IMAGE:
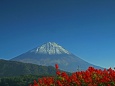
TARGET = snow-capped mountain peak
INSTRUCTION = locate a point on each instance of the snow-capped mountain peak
(51, 53)
(50, 48)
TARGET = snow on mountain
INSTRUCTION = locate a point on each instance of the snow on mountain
(50, 48)
(50, 54)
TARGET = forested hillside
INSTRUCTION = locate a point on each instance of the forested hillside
(13, 68)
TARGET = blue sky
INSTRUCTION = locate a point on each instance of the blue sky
(84, 27)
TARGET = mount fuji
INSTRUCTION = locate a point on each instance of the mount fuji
(50, 54)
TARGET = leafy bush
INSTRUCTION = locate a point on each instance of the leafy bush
(90, 77)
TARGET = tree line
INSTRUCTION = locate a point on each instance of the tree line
(23, 80)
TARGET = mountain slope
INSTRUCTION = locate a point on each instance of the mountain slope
(51, 53)
(13, 68)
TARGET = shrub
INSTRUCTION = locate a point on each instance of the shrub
(90, 77)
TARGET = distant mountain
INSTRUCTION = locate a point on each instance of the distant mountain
(13, 68)
(51, 53)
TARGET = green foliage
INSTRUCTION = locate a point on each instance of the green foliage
(23, 80)
(13, 68)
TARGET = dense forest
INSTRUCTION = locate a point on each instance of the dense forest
(13, 68)
(23, 80)
(14, 73)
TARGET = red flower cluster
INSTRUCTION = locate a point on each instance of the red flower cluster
(90, 77)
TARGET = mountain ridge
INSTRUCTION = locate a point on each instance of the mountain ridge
(14, 68)
(51, 54)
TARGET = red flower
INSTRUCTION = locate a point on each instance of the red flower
(59, 83)
(90, 77)
(58, 72)
(35, 83)
(56, 66)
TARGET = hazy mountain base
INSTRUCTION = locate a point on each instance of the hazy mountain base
(70, 63)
